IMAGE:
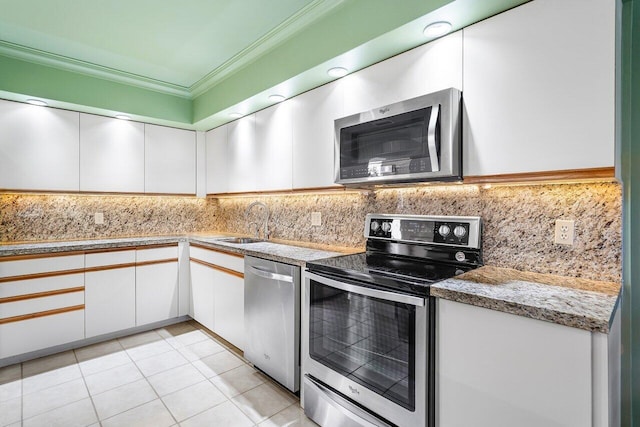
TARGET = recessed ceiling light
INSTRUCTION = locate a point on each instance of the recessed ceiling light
(277, 98)
(235, 115)
(37, 102)
(337, 72)
(122, 117)
(436, 29)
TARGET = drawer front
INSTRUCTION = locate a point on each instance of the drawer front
(44, 284)
(101, 259)
(38, 305)
(36, 265)
(153, 254)
(231, 262)
(41, 332)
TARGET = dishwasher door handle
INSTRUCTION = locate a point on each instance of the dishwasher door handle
(266, 274)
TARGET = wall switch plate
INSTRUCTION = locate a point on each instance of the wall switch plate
(98, 218)
(316, 219)
(565, 230)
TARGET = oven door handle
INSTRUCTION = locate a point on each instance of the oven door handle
(370, 292)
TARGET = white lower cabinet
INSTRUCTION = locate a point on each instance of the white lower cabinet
(156, 284)
(110, 292)
(217, 293)
(497, 369)
(228, 307)
(38, 308)
(202, 294)
(110, 297)
(39, 333)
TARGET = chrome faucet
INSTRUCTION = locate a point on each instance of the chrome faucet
(265, 220)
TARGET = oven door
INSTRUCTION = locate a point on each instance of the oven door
(372, 347)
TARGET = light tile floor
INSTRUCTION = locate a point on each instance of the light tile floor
(177, 375)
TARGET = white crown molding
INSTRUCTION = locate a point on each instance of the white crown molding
(286, 29)
(69, 64)
(290, 26)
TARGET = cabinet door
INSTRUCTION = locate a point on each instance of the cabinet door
(41, 332)
(217, 160)
(538, 91)
(313, 135)
(202, 294)
(273, 147)
(110, 300)
(111, 155)
(169, 160)
(39, 148)
(506, 370)
(228, 302)
(110, 293)
(243, 161)
(156, 292)
(425, 69)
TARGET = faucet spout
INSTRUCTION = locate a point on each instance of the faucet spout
(265, 219)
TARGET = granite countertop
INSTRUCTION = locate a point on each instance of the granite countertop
(579, 303)
(288, 252)
(297, 254)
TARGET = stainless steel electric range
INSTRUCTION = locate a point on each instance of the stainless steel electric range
(369, 321)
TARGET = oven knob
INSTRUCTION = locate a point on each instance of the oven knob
(459, 231)
(375, 225)
(386, 226)
(461, 257)
(444, 230)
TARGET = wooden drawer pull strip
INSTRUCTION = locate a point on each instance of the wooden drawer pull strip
(41, 275)
(217, 250)
(109, 267)
(41, 314)
(41, 294)
(156, 261)
(218, 267)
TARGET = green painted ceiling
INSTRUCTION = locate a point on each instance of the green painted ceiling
(189, 63)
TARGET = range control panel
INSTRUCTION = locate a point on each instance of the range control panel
(441, 230)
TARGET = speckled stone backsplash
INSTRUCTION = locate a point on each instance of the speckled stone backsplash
(518, 221)
(27, 217)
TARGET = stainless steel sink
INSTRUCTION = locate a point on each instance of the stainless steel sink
(241, 240)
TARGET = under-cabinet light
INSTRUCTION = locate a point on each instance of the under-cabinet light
(235, 115)
(122, 117)
(37, 102)
(337, 72)
(436, 29)
(277, 98)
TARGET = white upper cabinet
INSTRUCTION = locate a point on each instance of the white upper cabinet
(313, 135)
(425, 69)
(243, 163)
(216, 164)
(273, 147)
(169, 160)
(111, 155)
(539, 88)
(39, 148)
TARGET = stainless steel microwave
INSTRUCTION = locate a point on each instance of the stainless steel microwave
(410, 141)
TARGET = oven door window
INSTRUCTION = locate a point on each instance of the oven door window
(368, 340)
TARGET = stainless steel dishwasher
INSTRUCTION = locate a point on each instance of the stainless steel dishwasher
(272, 319)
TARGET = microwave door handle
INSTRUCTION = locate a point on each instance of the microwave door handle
(431, 138)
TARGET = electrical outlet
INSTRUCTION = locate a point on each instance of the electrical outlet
(316, 219)
(565, 230)
(98, 218)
